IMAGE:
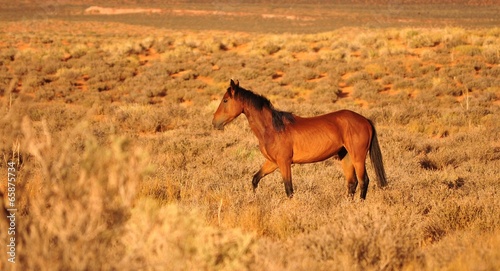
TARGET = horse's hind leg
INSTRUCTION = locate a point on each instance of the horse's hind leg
(267, 168)
(362, 177)
(350, 175)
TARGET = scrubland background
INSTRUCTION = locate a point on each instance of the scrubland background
(119, 168)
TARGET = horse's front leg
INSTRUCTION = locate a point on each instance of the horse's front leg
(286, 173)
(267, 168)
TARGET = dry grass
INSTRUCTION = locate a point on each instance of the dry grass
(120, 169)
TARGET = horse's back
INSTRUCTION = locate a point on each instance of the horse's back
(336, 118)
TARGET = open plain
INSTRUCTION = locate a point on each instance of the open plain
(107, 120)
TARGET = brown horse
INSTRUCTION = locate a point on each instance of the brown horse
(285, 139)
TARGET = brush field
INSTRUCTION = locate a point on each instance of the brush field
(118, 167)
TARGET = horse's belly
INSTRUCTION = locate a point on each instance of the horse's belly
(315, 153)
(316, 140)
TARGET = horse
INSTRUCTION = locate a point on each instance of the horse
(286, 139)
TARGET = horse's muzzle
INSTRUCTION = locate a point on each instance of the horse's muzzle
(219, 125)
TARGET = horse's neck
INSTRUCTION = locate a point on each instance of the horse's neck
(260, 122)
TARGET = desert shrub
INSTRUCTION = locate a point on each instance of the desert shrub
(20, 69)
(98, 190)
(7, 55)
(491, 55)
(296, 46)
(106, 77)
(369, 53)
(473, 83)
(454, 216)
(393, 50)
(152, 90)
(334, 55)
(296, 75)
(6, 81)
(147, 43)
(212, 45)
(414, 69)
(349, 245)
(428, 55)
(468, 50)
(204, 69)
(454, 71)
(376, 70)
(402, 84)
(51, 66)
(78, 51)
(373, 40)
(125, 49)
(422, 40)
(358, 77)
(248, 74)
(423, 83)
(147, 120)
(309, 74)
(222, 75)
(326, 93)
(62, 88)
(163, 44)
(45, 93)
(186, 242)
(32, 82)
(390, 79)
(271, 48)
(445, 86)
(366, 89)
(490, 71)
(454, 37)
(397, 68)
(427, 69)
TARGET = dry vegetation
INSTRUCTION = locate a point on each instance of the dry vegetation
(120, 169)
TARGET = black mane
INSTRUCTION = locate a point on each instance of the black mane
(260, 102)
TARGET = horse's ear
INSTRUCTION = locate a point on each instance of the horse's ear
(234, 84)
(233, 87)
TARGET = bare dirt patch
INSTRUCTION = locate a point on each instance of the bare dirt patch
(115, 11)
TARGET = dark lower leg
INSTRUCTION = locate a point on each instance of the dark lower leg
(286, 173)
(350, 175)
(364, 187)
(351, 187)
(289, 189)
(256, 180)
(266, 168)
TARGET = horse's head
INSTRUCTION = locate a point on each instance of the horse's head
(229, 108)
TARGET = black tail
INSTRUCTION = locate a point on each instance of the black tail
(376, 158)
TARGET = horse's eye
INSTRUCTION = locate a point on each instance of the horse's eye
(225, 100)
